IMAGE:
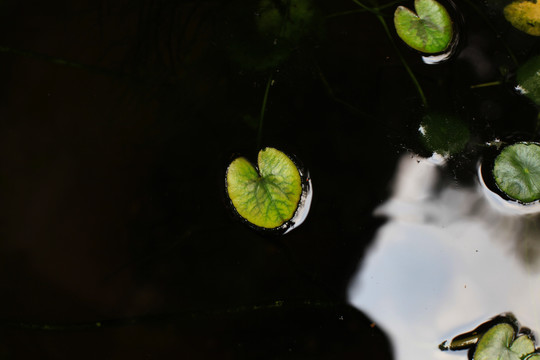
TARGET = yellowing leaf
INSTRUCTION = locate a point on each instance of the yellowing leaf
(524, 15)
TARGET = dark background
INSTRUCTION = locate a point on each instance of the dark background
(117, 122)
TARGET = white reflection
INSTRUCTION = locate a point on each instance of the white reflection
(506, 206)
(445, 262)
(437, 59)
(304, 205)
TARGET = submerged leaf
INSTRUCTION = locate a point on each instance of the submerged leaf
(429, 31)
(443, 134)
(259, 35)
(268, 197)
(524, 15)
(517, 171)
(528, 79)
(290, 20)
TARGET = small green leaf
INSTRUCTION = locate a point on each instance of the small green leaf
(517, 171)
(268, 197)
(495, 344)
(528, 79)
(524, 15)
(429, 31)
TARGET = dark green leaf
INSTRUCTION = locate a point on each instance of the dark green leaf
(528, 79)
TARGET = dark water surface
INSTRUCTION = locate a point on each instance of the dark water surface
(118, 119)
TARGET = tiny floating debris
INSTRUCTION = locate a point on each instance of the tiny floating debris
(443, 134)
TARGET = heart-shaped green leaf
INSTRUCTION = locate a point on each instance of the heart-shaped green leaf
(524, 15)
(268, 197)
(429, 30)
(498, 344)
(517, 171)
(528, 79)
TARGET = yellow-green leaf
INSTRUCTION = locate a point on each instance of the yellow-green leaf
(524, 15)
(528, 79)
(267, 197)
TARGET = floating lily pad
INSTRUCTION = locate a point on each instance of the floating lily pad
(498, 343)
(517, 171)
(429, 30)
(524, 15)
(268, 196)
(443, 134)
(528, 79)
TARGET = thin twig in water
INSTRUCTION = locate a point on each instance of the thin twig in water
(263, 110)
(402, 59)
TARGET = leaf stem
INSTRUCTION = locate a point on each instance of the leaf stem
(353, 109)
(178, 316)
(59, 61)
(402, 59)
(348, 12)
(492, 83)
(263, 109)
(367, 8)
(364, 9)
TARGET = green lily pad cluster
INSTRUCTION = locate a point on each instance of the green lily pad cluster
(524, 15)
(429, 30)
(267, 196)
(517, 171)
(498, 339)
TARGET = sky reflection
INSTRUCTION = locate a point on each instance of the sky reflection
(446, 261)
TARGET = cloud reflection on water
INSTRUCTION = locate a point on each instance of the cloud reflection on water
(446, 261)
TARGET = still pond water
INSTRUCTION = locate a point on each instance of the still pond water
(119, 118)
